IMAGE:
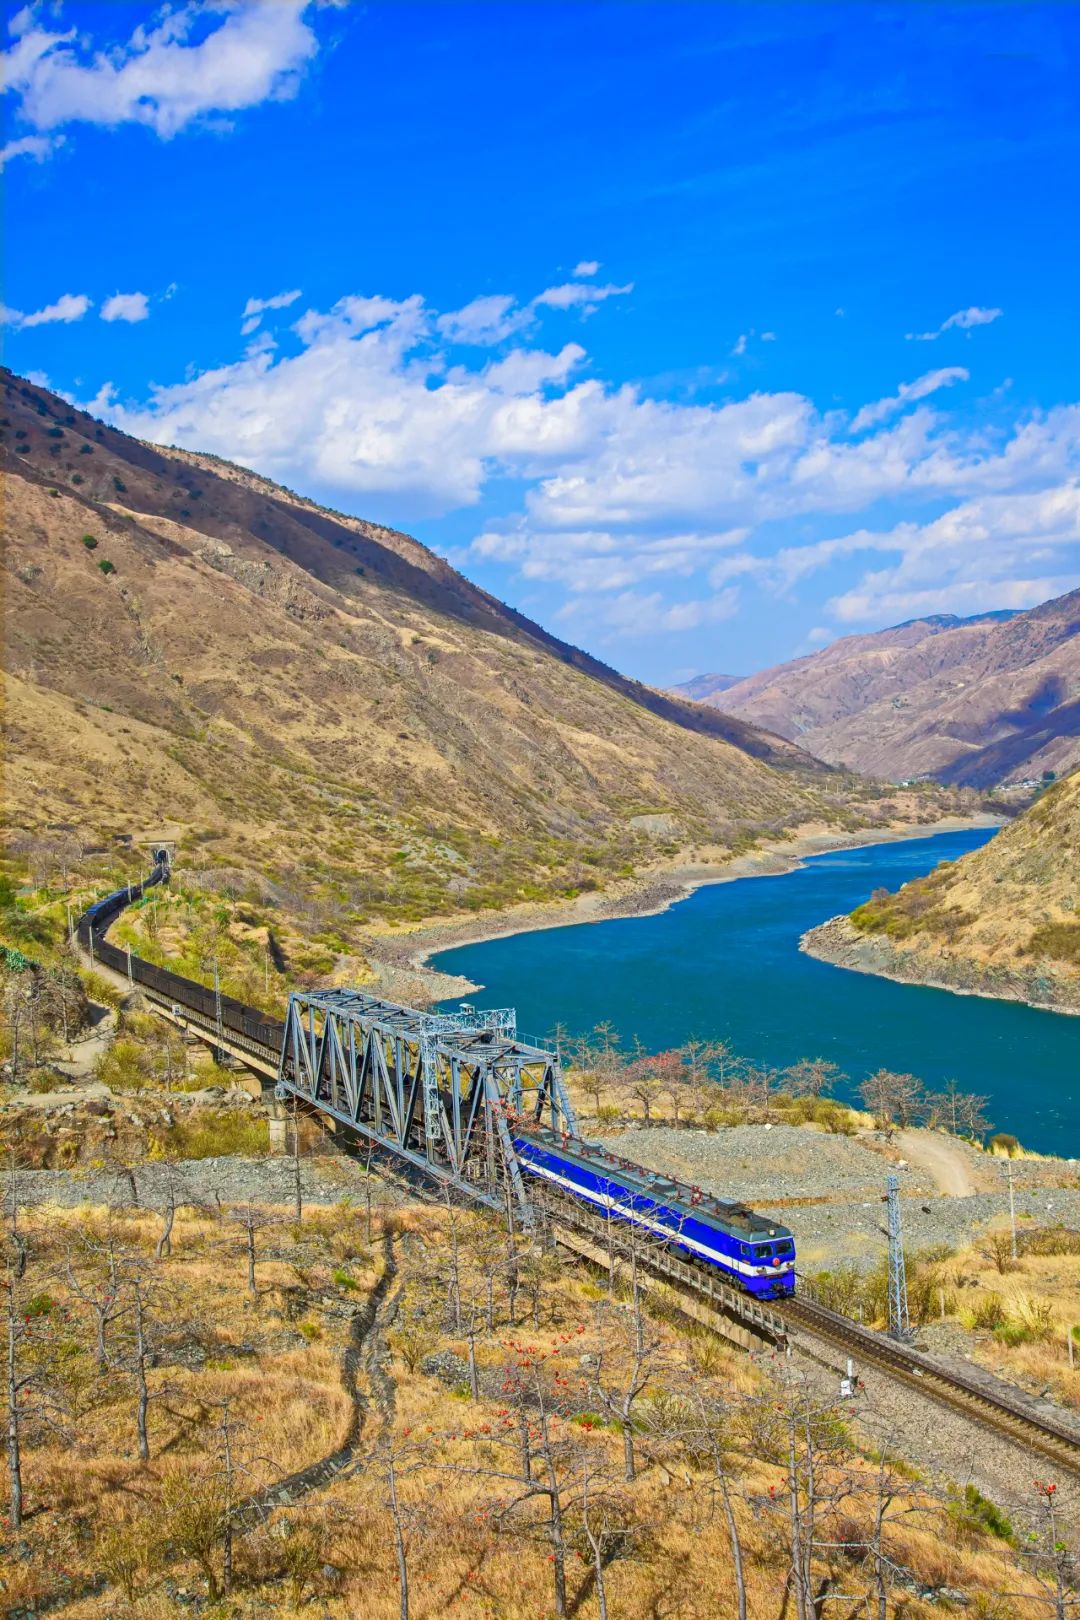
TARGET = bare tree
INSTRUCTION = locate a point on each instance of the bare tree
(253, 1220)
(164, 1243)
(627, 1351)
(97, 1288)
(1049, 1557)
(961, 1113)
(643, 1081)
(811, 1077)
(893, 1099)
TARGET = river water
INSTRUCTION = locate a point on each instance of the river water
(725, 962)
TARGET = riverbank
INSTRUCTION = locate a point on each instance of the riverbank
(400, 960)
(838, 942)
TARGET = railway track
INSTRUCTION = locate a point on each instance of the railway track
(993, 1409)
(254, 1036)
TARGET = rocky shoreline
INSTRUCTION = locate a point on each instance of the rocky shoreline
(400, 960)
(840, 943)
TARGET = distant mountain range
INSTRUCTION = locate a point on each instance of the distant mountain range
(973, 702)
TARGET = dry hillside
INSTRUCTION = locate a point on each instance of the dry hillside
(1002, 920)
(969, 701)
(189, 646)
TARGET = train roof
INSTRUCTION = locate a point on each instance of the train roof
(655, 1184)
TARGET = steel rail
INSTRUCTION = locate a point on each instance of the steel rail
(910, 1366)
(900, 1362)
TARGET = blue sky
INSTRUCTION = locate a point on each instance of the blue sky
(701, 333)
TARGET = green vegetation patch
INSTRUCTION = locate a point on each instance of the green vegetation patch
(914, 909)
(1060, 941)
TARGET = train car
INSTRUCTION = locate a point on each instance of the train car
(753, 1251)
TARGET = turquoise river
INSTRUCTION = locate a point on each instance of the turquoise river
(725, 962)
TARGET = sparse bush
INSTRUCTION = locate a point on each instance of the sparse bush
(90, 542)
(125, 1066)
(988, 1313)
(997, 1248)
(1004, 1145)
(1031, 1323)
(1050, 1240)
(106, 566)
(974, 1515)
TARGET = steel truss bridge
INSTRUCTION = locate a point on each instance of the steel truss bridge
(439, 1093)
(437, 1090)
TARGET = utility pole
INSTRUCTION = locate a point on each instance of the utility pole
(1012, 1208)
(899, 1320)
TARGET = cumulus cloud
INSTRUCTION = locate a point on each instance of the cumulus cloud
(623, 495)
(963, 320)
(994, 551)
(255, 309)
(165, 77)
(69, 307)
(130, 307)
(587, 267)
(907, 394)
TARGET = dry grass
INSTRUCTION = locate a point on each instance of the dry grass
(274, 1365)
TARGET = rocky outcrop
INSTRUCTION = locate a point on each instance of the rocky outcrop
(1039, 984)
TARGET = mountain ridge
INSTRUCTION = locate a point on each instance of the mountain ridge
(970, 701)
(301, 692)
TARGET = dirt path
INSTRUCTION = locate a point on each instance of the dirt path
(945, 1161)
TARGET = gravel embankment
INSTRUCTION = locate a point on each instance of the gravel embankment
(778, 1168)
(325, 1180)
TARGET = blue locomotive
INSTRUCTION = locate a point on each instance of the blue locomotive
(753, 1251)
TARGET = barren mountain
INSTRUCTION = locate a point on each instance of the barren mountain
(969, 701)
(1004, 920)
(306, 693)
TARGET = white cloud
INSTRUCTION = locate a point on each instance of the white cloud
(637, 613)
(625, 495)
(994, 551)
(485, 320)
(963, 319)
(37, 147)
(907, 394)
(585, 295)
(740, 344)
(587, 267)
(159, 77)
(597, 560)
(255, 308)
(69, 307)
(126, 307)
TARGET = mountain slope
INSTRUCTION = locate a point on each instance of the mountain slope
(1003, 921)
(324, 698)
(969, 701)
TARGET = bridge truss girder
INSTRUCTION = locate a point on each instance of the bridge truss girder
(437, 1090)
